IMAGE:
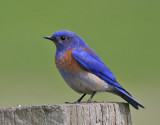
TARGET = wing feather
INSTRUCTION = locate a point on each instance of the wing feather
(91, 62)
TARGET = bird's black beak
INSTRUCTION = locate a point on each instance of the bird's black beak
(49, 37)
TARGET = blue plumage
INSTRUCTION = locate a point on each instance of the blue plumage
(92, 63)
(83, 70)
(126, 96)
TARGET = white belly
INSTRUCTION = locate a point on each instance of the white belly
(86, 82)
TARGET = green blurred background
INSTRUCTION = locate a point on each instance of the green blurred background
(125, 34)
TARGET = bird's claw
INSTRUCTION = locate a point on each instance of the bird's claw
(91, 101)
(77, 102)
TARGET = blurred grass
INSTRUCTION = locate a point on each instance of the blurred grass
(124, 33)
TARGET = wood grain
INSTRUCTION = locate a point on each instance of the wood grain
(67, 114)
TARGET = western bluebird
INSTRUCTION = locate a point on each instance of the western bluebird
(83, 70)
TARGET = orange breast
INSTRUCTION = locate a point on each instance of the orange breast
(68, 63)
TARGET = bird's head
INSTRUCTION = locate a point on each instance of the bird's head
(65, 40)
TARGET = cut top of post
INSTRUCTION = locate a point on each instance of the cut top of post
(68, 114)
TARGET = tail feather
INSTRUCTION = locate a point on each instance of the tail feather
(126, 96)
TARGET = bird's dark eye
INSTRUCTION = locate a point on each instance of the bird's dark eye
(63, 38)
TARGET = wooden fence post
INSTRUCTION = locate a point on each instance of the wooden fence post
(67, 114)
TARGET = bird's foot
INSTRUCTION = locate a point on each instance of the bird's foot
(80, 102)
(89, 101)
(69, 103)
(77, 102)
(73, 102)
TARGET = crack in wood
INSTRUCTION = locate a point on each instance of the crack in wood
(67, 114)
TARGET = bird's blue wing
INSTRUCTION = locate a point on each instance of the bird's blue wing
(91, 62)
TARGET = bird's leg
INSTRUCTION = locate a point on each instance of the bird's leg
(89, 100)
(79, 100)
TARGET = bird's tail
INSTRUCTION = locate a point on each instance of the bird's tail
(126, 96)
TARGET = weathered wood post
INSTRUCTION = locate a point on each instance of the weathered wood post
(68, 114)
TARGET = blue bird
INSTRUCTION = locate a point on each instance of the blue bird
(83, 70)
